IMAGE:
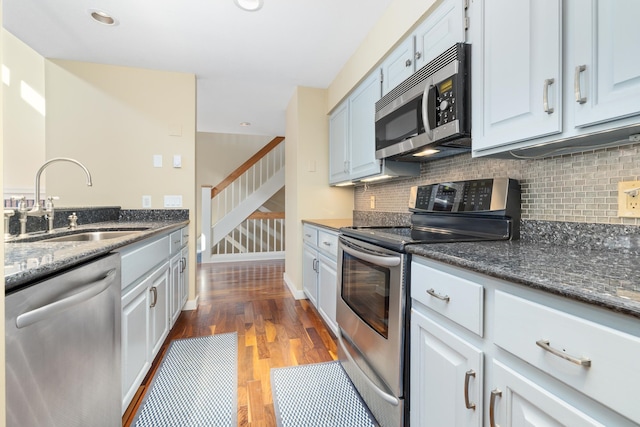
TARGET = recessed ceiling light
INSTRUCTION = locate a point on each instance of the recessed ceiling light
(245, 124)
(249, 5)
(103, 17)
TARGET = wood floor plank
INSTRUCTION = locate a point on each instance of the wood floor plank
(274, 330)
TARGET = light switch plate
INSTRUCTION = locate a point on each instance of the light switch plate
(177, 161)
(146, 202)
(172, 201)
(157, 160)
(629, 199)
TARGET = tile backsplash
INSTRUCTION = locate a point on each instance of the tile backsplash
(579, 187)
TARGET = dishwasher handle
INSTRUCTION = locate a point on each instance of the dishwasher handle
(41, 313)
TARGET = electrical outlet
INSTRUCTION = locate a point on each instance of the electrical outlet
(629, 199)
(146, 202)
(373, 202)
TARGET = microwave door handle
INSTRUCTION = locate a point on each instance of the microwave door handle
(429, 107)
(380, 260)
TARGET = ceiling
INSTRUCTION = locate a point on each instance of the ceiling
(247, 64)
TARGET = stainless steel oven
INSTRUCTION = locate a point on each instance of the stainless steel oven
(371, 316)
(372, 305)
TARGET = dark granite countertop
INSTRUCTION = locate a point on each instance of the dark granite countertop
(27, 261)
(606, 278)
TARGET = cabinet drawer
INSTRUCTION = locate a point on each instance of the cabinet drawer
(185, 236)
(457, 299)
(613, 377)
(328, 243)
(310, 234)
(139, 260)
(175, 241)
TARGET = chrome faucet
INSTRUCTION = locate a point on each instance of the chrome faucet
(37, 209)
(23, 210)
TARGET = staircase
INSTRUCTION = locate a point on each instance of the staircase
(235, 222)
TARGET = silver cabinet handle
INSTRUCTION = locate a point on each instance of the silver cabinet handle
(407, 63)
(576, 84)
(434, 294)
(418, 55)
(582, 361)
(326, 243)
(545, 96)
(154, 290)
(492, 403)
(470, 373)
(307, 235)
(41, 313)
(183, 263)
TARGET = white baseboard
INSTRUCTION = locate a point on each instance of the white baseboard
(255, 256)
(191, 304)
(297, 293)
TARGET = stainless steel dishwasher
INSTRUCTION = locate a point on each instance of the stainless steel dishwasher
(63, 349)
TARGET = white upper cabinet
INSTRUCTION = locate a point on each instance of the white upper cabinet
(352, 140)
(441, 30)
(553, 77)
(604, 40)
(398, 65)
(362, 132)
(338, 144)
(517, 84)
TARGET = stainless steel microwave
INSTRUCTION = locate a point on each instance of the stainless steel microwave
(429, 114)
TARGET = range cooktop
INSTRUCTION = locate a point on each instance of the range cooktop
(463, 211)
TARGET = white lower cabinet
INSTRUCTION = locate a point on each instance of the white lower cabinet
(439, 357)
(145, 325)
(517, 401)
(548, 360)
(154, 290)
(319, 276)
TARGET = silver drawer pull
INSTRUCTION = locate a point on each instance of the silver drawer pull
(576, 84)
(582, 361)
(492, 404)
(434, 294)
(470, 373)
(326, 243)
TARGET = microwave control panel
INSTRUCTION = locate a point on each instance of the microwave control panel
(445, 97)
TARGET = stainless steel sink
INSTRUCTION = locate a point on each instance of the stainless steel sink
(91, 236)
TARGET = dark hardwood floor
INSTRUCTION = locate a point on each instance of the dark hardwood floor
(274, 330)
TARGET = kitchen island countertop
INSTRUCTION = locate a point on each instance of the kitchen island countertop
(332, 224)
(605, 278)
(26, 261)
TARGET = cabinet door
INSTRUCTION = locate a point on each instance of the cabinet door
(441, 30)
(398, 66)
(362, 136)
(604, 38)
(517, 81)
(135, 341)
(175, 291)
(327, 288)
(158, 297)
(446, 377)
(310, 274)
(339, 144)
(184, 280)
(517, 401)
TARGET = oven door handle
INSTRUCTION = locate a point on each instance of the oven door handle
(383, 395)
(380, 260)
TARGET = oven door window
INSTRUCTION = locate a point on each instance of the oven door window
(365, 289)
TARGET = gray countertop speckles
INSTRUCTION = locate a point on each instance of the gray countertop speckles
(600, 277)
(28, 261)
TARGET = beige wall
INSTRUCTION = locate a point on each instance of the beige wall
(398, 20)
(24, 127)
(2, 352)
(114, 119)
(308, 194)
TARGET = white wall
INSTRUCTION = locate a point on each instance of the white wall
(308, 194)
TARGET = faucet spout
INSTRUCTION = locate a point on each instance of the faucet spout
(37, 208)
